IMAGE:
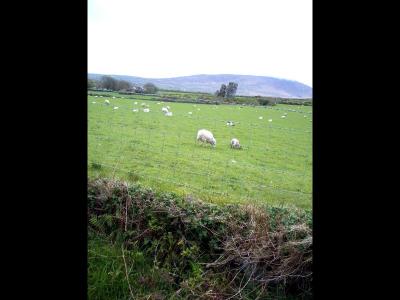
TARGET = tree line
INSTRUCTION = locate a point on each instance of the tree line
(111, 84)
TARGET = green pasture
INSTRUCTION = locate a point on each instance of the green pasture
(274, 165)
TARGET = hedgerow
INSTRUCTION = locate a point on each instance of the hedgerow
(212, 251)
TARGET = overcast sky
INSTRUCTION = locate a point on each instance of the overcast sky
(169, 38)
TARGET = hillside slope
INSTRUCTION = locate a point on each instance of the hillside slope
(249, 85)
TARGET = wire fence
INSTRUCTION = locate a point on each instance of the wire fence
(274, 162)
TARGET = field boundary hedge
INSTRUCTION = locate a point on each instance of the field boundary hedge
(214, 252)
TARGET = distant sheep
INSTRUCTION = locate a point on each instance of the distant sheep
(260, 118)
(270, 120)
(190, 113)
(113, 97)
(169, 114)
(146, 110)
(235, 143)
(164, 110)
(135, 110)
(230, 123)
(283, 117)
(168, 107)
(115, 107)
(107, 102)
(94, 102)
(135, 103)
(206, 136)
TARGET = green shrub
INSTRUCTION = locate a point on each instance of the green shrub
(205, 246)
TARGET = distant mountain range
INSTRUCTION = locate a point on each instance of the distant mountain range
(248, 85)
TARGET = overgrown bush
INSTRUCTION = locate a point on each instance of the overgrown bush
(214, 252)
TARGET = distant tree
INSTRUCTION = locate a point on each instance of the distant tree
(109, 83)
(231, 90)
(221, 92)
(150, 88)
(91, 84)
(123, 85)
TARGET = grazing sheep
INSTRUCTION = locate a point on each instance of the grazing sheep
(169, 114)
(270, 120)
(235, 143)
(135, 110)
(135, 103)
(230, 123)
(94, 102)
(113, 97)
(283, 117)
(206, 136)
(115, 107)
(107, 102)
(168, 107)
(146, 110)
(95, 96)
(189, 112)
(164, 110)
(260, 118)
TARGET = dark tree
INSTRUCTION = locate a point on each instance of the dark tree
(221, 92)
(123, 85)
(109, 83)
(91, 84)
(150, 88)
(231, 90)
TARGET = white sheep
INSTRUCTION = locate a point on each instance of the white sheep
(164, 110)
(270, 120)
(168, 107)
(206, 136)
(135, 110)
(115, 107)
(283, 117)
(169, 114)
(230, 123)
(94, 102)
(235, 143)
(107, 102)
(135, 103)
(146, 110)
(190, 113)
(260, 118)
(113, 97)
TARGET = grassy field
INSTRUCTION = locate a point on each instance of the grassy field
(274, 165)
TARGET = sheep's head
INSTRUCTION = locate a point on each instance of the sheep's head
(213, 142)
